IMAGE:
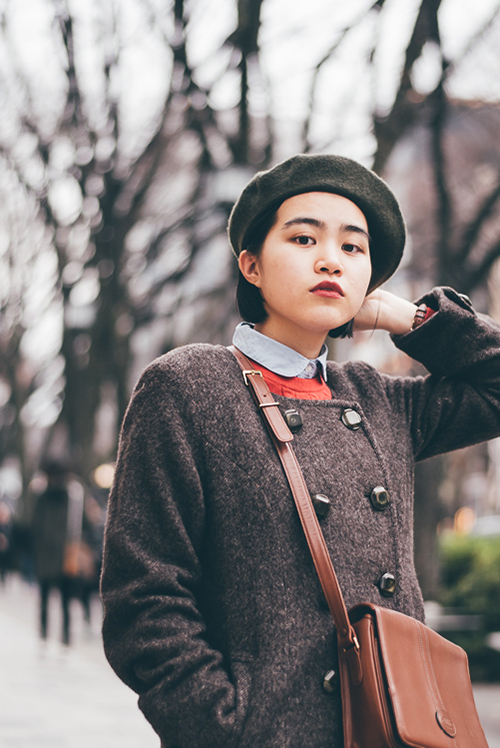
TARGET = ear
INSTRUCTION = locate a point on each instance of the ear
(249, 267)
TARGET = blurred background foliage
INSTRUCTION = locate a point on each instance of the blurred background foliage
(471, 585)
(471, 576)
(128, 129)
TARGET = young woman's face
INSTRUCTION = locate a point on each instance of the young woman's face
(313, 270)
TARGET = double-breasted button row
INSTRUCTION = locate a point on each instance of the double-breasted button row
(379, 497)
(349, 417)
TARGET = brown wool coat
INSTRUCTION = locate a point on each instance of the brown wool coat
(213, 612)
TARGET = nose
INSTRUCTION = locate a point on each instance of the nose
(329, 260)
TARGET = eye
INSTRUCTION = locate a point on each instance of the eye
(303, 240)
(352, 248)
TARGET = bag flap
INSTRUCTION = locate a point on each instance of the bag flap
(429, 684)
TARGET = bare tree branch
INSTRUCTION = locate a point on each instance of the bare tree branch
(439, 165)
(471, 46)
(477, 276)
(306, 129)
(475, 226)
(388, 130)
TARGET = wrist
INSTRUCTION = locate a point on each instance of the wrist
(396, 315)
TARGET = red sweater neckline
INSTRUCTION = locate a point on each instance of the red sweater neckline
(296, 387)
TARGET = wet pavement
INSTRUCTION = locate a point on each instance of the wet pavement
(57, 697)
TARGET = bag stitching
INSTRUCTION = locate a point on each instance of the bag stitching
(436, 696)
(435, 679)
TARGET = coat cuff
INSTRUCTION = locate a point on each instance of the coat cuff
(444, 342)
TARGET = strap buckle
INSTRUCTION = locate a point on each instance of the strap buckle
(250, 372)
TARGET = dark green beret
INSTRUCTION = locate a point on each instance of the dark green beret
(326, 173)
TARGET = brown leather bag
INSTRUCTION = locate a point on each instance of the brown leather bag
(402, 684)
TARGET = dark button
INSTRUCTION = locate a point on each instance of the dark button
(351, 419)
(322, 504)
(465, 298)
(293, 420)
(379, 498)
(387, 584)
(330, 681)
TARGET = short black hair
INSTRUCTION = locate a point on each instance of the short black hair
(248, 297)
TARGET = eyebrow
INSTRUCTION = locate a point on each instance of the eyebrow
(304, 219)
(344, 227)
(355, 229)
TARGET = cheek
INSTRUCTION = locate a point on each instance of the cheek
(362, 283)
(273, 273)
(365, 276)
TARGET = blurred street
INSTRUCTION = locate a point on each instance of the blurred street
(50, 698)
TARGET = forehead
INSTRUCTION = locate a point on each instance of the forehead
(325, 206)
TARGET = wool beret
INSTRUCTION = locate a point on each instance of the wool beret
(326, 173)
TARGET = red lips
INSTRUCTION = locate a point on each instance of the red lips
(329, 289)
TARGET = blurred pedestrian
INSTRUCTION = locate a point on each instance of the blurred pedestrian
(92, 541)
(50, 536)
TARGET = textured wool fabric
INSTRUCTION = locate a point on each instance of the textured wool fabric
(213, 611)
(326, 173)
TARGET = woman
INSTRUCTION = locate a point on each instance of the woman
(213, 611)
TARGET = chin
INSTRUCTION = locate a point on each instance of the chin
(329, 323)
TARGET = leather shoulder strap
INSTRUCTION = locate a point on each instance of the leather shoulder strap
(269, 409)
(282, 438)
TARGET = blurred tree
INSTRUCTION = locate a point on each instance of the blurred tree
(443, 159)
(132, 127)
(31, 384)
(453, 212)
(120, 262)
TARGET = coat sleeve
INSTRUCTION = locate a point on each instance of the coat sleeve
(458, 403)
(153, 632)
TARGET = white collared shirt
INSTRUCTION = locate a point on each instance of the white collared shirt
(275, 356)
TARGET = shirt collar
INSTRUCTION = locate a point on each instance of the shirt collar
(275, 356)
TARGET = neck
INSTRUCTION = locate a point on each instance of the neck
(303, 342)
